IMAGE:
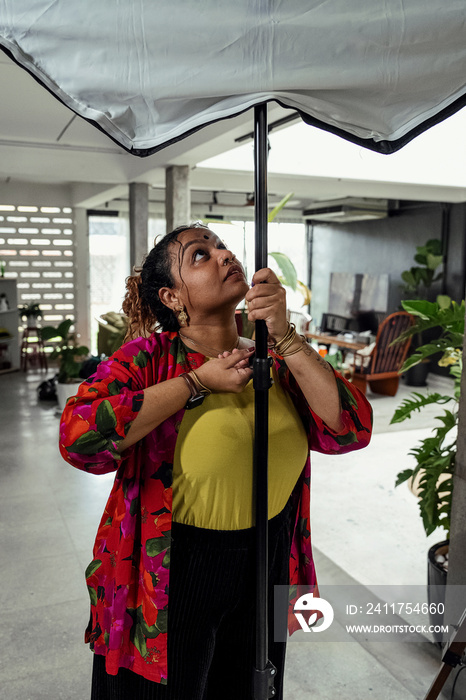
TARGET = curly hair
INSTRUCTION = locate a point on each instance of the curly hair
(142, 304)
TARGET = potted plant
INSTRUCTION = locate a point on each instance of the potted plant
(31, 312)
(417, 280)
(70, 357)
(432, 477)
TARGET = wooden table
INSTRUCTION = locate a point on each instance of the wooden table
(334, 340)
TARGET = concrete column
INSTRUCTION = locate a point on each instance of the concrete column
(455, 603)
(138, 222)
(82, 279)
(177, 196)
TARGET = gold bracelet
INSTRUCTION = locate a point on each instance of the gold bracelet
(190, 383)
(301, 347)
(201, 386)
(285, 346)
(282, 345)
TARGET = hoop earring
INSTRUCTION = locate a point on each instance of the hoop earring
(181, 316)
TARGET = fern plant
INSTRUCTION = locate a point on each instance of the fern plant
(435, 455)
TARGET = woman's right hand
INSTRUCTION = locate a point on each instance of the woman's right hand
(230, 372)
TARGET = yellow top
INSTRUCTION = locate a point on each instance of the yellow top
(212, 470)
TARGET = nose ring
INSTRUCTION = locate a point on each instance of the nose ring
(226, 260)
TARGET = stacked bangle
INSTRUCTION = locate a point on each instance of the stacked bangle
(287, 341)
(301, 347)
(282, 345)
(202, 387)
(195, 385)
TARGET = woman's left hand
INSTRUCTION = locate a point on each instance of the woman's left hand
(267, 301)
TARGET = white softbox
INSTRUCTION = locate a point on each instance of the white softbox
(149, 72)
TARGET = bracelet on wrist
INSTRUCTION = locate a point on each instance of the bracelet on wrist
(202, 387)
(190, 383)
(198, 390)
(288, 339)
(303, 346)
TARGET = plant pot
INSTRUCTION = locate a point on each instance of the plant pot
(31, 321)
(417, 375)
(64, 391)
(436, 582)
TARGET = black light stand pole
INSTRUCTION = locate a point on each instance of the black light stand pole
(264, 672)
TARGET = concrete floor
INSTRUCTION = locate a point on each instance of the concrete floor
(364, 531)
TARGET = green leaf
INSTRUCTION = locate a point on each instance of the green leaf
(346, 397)
(410, 362)
(105, 418)
(444, 301)
(449, 421)
(305, 291)
(133, 508)
(420, 307)
(408, 277)
(90, 443)
(166, 559)
(162, 621)
(80, 350)
(48, 333)
(149, 632)
(92, 595)
(138, 639)
(433, 261)
(410, 404)
(142, 358)
(403, 476)
(287, 269)
(347, 439)
(64, 328)
(92, 568)
(156, 545)
(434, 246)
(421, 255)
(279, 206)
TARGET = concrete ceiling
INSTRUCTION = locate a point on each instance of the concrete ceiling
(43, 142)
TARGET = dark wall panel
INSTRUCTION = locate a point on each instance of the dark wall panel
(384, 246)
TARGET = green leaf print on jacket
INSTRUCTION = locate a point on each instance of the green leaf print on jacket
(105, 418)
(88, 444)
(157, 545)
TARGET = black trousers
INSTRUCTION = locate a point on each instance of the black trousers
(211, 621)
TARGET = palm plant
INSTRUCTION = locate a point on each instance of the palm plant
(435, 455)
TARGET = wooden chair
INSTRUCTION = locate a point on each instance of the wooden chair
(385, 361)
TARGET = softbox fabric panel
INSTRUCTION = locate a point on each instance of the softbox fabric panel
(149, 72)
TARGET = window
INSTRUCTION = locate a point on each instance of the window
(109, 267)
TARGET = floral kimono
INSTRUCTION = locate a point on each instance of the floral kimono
(128, 579)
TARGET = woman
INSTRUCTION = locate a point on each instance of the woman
(172, 579)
